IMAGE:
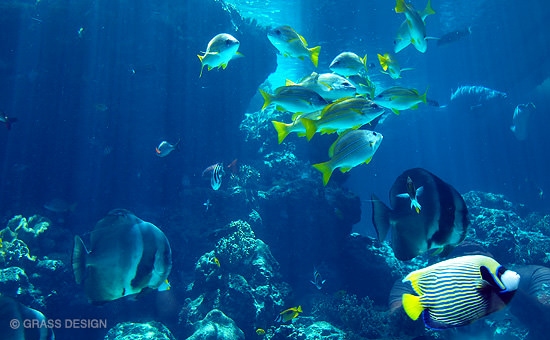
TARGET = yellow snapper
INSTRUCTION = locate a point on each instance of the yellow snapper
(363, 85)
(459, 291)
(330, 86)
(284, 130)
(291, 44)
(391, 66)
(294, 99)
(222, 48)
(345, 113)
(403, 37)
(348, 63)
(400, 98)
(289, 314)
(352, 148)
(415, 24)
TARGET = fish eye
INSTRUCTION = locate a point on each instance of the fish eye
(228, 42)
(278, 32)
(374, 133)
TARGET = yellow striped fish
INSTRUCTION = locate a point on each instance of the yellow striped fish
(459, 291)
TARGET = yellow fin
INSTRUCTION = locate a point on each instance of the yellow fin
(344, 170)
(400, 6)
(412, 306)
(280, 108)
(364, 60)
(325, 169)
(396, 111)
(302, 39)
(314, 54)
(267, 98)
(310, 126)
(368, 160)
(383, 62)
(282, 130)
(290, 83)
(299, 309)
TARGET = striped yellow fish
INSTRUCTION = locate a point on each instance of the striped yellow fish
(459, 291)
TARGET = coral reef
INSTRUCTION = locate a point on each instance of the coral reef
(306, 328)
(216, 326)
(139, 331)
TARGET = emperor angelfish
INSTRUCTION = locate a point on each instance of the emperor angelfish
(127, 255)
(441, 224)
(12, 311)
(459, 291)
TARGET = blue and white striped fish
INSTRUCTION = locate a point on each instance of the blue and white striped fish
(459, 291)
(216, 179)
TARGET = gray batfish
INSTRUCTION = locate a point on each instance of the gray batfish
(440, 225)
(127, 255)
(480, 92)
(13, 313)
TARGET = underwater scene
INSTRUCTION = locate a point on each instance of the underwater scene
(274, 169)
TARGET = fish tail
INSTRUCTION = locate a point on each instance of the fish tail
(311, 129)
(325, 169)
(364, 60)
(314, 54)
(383, 62)
(202, 65)
(267, 98)
(299, 309)
(400, 6)
(380, 217)
(282, 130)
(79, 259)
(423, 97)
(412, 306)
(428, 10)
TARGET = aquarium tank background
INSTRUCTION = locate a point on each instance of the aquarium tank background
(113, 143)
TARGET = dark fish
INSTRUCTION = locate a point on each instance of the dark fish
(441, 226)
(13, 313)
(453, 36)
(8, 120)
(127, 256)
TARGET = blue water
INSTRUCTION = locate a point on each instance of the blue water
(98, 84)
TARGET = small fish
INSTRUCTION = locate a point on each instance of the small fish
(415, 23)
(289, 314)
(80, 32)
(391, 65)
(348, 64)
(126, 256)
(220, 50)
(363, 85)
(291, 44)
(207, 204)
(297, 126)
(216, 178)
(412, 194)
(60, 206)
(165, 148)
(164, 286)
(459, 291)
(330, 86)
(442, 225)
(343, 114)
(521, 117)
(400, 98)
(294, 99)
(352, 148)
(403, 37)
(317, 281)
(260, 331)
(453, 36)
(7, 120)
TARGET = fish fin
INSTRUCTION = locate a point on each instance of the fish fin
(224, 65)
(311, 129)
(423, 97)
(200, 57)
(282, 130)
(412, 306)
(290, 83)
(329, 87)
(407, 69)
(299, 309)
(380, 217)
(344, 170)
(414, 107)
(301, 134)
(419, 191)
(368, 160)
(79, 259)
(427, 11)
(404, 195)
(364, 60)
(396, 111)
(314, 55)
(202, 65)
(325, 169)
(237, 55)
(400, 6)
(383, 62)
(210, 68)
(302, 39)
(296, 115)
(328, 131)
(437, 251)
(267, 98)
